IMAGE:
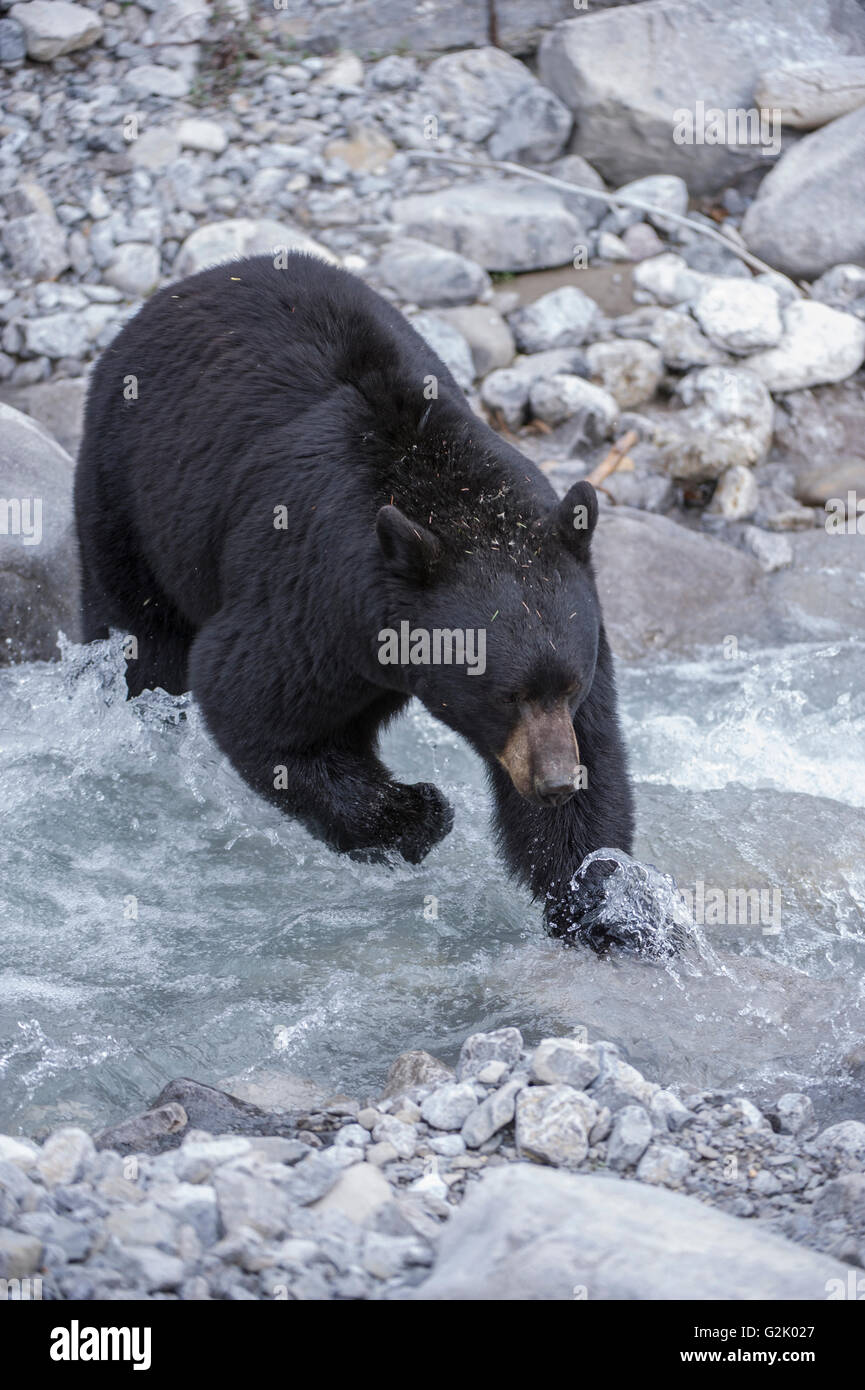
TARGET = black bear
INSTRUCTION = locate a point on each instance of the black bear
(285, 497)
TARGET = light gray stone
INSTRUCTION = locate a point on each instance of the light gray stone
(360, 1192)
(20, 1255)
(629, 1138)
(54, 27)
(727, 421)
(491, 1115)
(735, 497)
(739, 315)
(562, 318)
(562, 397)
(630, 371)
(488, 336)
(428, 275)
(662, 1164)
(500, 1045)
(416, 1068)
(842, 287)
(552, 1124)
(818, 345)
(134, 269)
(449, 1106)
(810, 94)
(448, 344)
(528, 1234)
(501, 226)
(847, 1138)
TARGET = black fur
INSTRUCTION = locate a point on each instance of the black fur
(259, 388)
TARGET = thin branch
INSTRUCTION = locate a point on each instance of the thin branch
(617, 455)
(616, 200)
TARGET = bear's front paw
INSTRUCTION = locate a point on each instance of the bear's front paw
(425, 817)
(603, 909)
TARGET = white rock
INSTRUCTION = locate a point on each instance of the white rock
(818, 345)
(553, 1124)
(449, 1106)
(197, 134)
(668, 280)
(153, 80)
(155, 148)
(739, 315)
(54, 27)
(727, 421)
(65, 1157)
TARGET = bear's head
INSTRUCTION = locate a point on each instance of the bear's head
(494, 626)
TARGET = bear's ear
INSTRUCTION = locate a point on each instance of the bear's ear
(410, 550)
(575, 518)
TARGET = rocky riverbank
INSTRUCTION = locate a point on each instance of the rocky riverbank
(557, 1171)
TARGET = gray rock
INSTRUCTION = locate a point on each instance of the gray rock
(403, 1137)
(818, 345)
(810, 94)
(491, 1115)
(562, 397)
(190, 1204)
(448, 344)
(13, 43)
(565, 1061)
(216, 242)
(526, 1233)
(666, 588)
(501, 1045)
(562, 318)
(630, 371)
(626, 107)
(36, 246)
(501, 226)
(416, 1068)
(667, 280)
(842, 287)
(360, 1192)
(499, 100)
(449, 1106)
(629, 1138)
(664, 1165)
(58, 406)
(153, 80)
(54, 27)
(506, 391)
(134, 269)
(147, 1268)
(739, 315)
(179, 21)
(428, 275)
(727, 421)
(20, 1255)
(488, 336)
(143, 1133)
(668, 1112)
(664, 192)
(794, 1112)
(847, 1138)
(553, 1123)
(735, 498)
(772, 552)
(809, 213)
(66, 1156)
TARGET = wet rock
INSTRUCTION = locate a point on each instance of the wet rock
(492, 97)
(428, 275)
(530, 1234)
(808, 214)
(54, 27)
(630, 371)
(810, 94)
(552, 1125)
(216, 242)
(626, 108)
(739, 315)
(213, 1110)
(500, 226)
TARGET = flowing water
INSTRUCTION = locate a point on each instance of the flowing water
(157, 919)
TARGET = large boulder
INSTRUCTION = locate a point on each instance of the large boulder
(529, 1234)
(626, 73)
(38, 554)
(493, 97)
(666, 588)
(501, 226)
(810, 211)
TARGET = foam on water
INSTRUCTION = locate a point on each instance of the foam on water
(158, 919)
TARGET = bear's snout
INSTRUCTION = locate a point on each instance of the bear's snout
(541, 756)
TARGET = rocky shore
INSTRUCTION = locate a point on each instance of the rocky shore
(556, 1171)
